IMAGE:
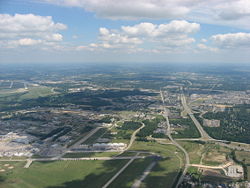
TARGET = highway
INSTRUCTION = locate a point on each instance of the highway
(187, 160)
(203, 133)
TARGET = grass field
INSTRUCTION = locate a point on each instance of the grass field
(90, 154)
(248, 174)
(165, 172)
(243, 156)
(134, 171)
(207, 154)
(35, 92)
(194, 150)
(60, 174)
(95, 136)
(22, 94)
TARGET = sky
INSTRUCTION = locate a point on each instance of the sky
(171, 31)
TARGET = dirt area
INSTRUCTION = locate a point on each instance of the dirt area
(214, 176)
(215, 157)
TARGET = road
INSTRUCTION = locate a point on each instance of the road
(203, 133)
(212, 167)
(132, 139)
(187, 160)
(120, 171)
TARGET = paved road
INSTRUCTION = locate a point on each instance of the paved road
(120, 171)
(132, 139)
(187, 160)
(203, 133)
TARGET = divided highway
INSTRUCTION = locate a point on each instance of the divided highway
(187, 160)
(203, 133)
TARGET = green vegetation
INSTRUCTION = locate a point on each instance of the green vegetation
(87, 100)
(194, 150)
(150, 126)
(240, 158)
(207, 154)
(133, 172)
(166, 171)
(60, 174)
(194, 172)
(90, 154)
(235, 124)
(95, 136)
(36, 92)
(243, 156)
(248, 174)
(130, 125)
(187, 130)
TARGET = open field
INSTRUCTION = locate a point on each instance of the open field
(94, 137)
(60, 174)
(90, 154)
(134, 171)
(205, 153)
(35, 92)
(248, 174)
(166, 170)
(194, 150)
(243, 156)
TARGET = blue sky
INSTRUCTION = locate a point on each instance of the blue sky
(215, 31)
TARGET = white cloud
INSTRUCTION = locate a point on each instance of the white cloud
(28, 42)
(224, 12)
(115, 40)
(232, 40)
(152, 30)
(173, 35)
(204, 40)
(207, 48)
(131, 9)
(28, 29)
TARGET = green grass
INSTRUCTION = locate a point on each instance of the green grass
(213, 154)
(165, 172)
(90, 154)
(35, 92)
(61, 174)
(194, 150)
(248, 173)
(130, 174)
(95, 136)
(243, 156)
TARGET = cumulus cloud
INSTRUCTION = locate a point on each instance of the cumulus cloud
(169, 36)
(152, 30)
(114, 39)
(131, 9)
(28, 29)
(28, 42)
(232, 40)
(207, 48)
(225, 12)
